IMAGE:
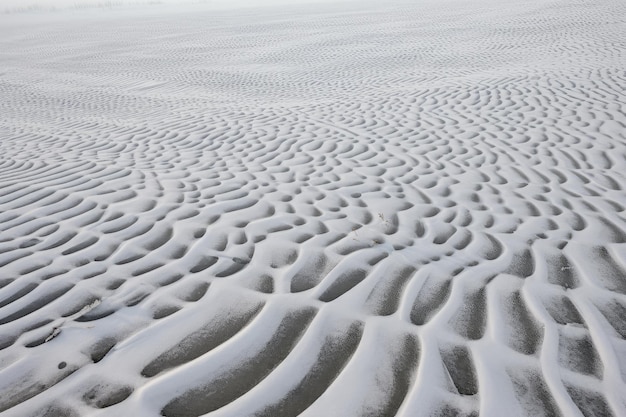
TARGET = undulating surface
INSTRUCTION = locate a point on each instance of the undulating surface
(362, 210)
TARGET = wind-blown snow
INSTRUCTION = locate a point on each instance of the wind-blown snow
(411, 209)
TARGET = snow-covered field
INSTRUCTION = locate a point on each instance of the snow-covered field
(357, 209)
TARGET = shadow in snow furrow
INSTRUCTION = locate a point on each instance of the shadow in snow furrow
(404, 368)
(533, 393)
(229, 385)
(310, 273)
(578, 354)
(202, 341)
(614, 312)
(343, 283)
(563, 311)
(6, 260)
(36, 304)
(522, 265)
(203, 263)
(448, 410)
(460, 367)
(331, 359)
(384, 298)
(430, 299)
(590, 403)
(526, 334)
(30, 387)
(18, 294)
(59, 240)
(561, 272)
(80, 246)
(104, 394)
(470, 321)
(57, 410)
(610, 274)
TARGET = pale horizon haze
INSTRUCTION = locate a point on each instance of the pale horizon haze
(13, 5)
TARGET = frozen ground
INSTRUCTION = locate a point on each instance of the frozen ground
(413, 209)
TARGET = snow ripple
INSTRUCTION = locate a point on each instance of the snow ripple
(386, 211)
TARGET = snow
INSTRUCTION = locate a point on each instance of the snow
(337, 209)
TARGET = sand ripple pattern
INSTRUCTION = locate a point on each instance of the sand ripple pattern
(412, 210)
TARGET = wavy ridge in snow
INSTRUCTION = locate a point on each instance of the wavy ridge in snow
(398, 210)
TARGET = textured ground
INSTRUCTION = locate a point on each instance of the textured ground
(412, 210)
